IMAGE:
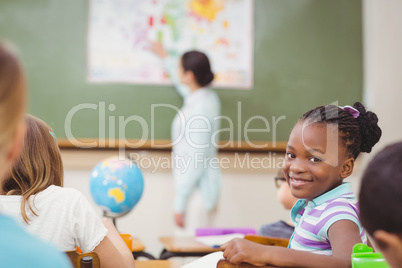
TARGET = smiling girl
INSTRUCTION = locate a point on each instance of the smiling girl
(320, 154)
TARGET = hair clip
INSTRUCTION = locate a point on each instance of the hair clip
(53, 135)
(353, 111)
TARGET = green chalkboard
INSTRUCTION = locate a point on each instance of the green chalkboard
(306, 53)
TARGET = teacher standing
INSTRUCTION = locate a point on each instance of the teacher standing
(195, 134)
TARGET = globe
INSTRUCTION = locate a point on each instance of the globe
(116, 186)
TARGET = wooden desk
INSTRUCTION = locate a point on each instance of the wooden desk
(183, 247)
(157, 264)
(139, 250)
(136, 246)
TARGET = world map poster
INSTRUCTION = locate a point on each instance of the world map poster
(120, 34)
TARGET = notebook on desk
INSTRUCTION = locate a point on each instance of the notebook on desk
(216, 241)
(208, 261)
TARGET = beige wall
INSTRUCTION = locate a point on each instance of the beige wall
(248, 196)
(383, 65)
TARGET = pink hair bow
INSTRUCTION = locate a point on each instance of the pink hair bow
(353, 111)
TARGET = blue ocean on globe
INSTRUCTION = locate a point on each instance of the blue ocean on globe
(116, 186)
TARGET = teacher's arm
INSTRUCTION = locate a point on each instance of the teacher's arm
(171, 66)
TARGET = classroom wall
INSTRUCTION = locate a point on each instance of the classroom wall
(246, 188)
(382, 22)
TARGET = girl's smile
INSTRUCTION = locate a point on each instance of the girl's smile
(298, 181)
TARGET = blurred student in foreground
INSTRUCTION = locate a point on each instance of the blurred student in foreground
(380, 201)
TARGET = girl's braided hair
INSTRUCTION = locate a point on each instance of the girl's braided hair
(357, 134)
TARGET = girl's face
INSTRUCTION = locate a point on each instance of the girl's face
(315, 161)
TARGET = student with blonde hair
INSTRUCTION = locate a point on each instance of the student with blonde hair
(34, 196)
(17, 247)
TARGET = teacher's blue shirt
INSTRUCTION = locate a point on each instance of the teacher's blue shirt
(194, 143)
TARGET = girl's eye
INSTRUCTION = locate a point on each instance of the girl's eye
(315, 159)
(290, 155)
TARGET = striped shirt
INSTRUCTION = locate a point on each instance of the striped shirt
(313, 219)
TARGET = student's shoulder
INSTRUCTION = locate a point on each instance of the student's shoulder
(61, 193)
(343, 202)
(21, 249)
(339, 205)
(42, 254)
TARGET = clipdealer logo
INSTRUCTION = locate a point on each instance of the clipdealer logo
(182, 164)
(108, 135)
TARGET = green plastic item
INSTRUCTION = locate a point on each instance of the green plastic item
(364, 257)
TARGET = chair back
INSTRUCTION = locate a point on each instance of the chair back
(227, 264)
(267, 240)
(76, 257)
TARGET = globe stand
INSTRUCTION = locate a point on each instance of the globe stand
(106, 215)
(136, 254)
(112, 218)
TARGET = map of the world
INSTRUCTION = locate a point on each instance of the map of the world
(120, 33)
